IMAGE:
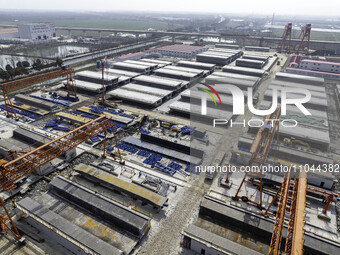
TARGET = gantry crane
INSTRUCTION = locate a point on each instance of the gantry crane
(286, 39)
(7, 87)
(275, 244)
(305, 39)
(296, 222)
(11, 172)
(259, 151)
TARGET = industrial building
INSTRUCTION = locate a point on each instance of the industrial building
(197, 65)
(167, 73)
(321, 66)
(157, 82)
(36, 31)
(227, 46)
(181, 51)
(254, 48)
(252, 63)
(218, 56)
(96, 77)
(132, 67)
(244, 70)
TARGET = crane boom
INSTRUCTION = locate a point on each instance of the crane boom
(275, 244)
(294, 241)
(16, 169)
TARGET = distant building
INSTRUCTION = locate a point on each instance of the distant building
(36, 31)
(8, 33)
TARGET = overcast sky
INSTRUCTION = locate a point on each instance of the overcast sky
(293, 7)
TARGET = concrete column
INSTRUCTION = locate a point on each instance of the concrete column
(100, 34)
(173, 39)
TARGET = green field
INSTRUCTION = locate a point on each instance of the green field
(107, 22)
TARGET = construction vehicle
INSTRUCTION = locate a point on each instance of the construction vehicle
(292, 141)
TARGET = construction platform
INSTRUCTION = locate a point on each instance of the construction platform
(62, 231)
(72, 118)
(114, 183)
(45, 105)
(31, 109)
(108, 210)
(114, 117)
(198, 239)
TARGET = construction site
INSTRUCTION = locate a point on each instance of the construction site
(125, 158)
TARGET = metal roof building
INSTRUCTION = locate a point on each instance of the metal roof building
(136, 97)
(180, 50)
(227, 46)
(254, 48)
(148, 90)
(160, 63)
(88, 86)
(187, 69)
(214, 59)
(96, 77)
(256, 57)
(152, 66)
(154, 81)
(176, 74)
(300, 78)
(235, 76)
(197, 65)
(189, 109)
(243, 70)
(57, 227)
(119, 72)
(198, 239)
(258, 64)
(131, 67)
(242, 84)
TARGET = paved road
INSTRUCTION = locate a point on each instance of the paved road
(102, 53)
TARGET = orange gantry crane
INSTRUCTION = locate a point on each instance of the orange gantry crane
(296, 221)
(11, 172)
(275, 244)
(7, 87)
(260, 150)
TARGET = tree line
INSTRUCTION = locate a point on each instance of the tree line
(24, 67)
